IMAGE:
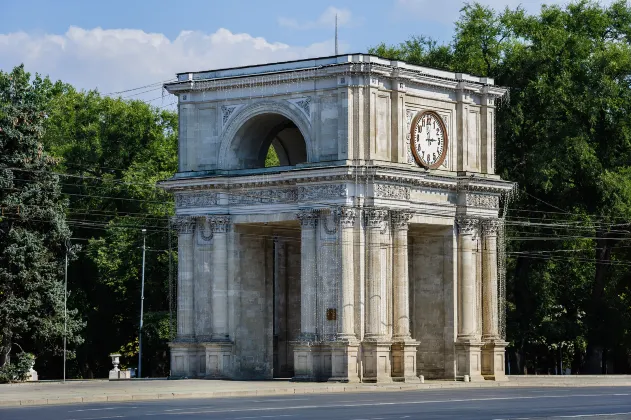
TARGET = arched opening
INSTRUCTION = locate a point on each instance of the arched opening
(269, 139)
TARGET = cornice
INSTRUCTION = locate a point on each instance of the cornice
(346, 174)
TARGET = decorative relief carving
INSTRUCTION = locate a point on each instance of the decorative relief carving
(202, 224)
(183, 224)
(395, 192)
(264, 196)
(226, 112)
(400, 219)
(201, 199)
(316, 192)
(305, 105)
(219, 224)
(308, 218)
(468, 225)
(375, 218)
(490, 226)
(482, 200)
(325, 223)
(409, 116)
(346, 216)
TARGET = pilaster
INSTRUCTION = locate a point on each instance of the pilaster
(468, 345)
(307, 355)
(375, 347)
(404, 348)
(493, 349)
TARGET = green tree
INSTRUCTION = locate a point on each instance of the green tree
(112, 152)
(33, 231)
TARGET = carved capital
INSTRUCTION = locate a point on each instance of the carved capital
(375, 218)
(346, 216)
(183, 224)
(468, 225)
(490, 226)
(308, 218)
(400, 219)
(219, 224)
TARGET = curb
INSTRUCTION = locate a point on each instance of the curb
(303, 390)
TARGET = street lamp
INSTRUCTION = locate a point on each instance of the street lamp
(142, 301)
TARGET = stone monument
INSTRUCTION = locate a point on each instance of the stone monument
(369, 254)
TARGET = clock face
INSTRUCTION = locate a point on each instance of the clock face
(428, 139)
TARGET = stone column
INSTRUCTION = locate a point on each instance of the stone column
(493, 350)
(376, 349)
(468, 343)
(344, 351)
(219, 349)
(305, 351)
(404, 347)
(184, 361)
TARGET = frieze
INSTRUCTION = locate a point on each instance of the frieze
(395, 192)
(318, 192)
(482, 200)
(263, 196)
(201, 199)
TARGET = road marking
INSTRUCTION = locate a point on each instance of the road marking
(100, 409)
(592, 415)
(377, 404)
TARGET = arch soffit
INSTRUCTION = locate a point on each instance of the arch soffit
(284, 108)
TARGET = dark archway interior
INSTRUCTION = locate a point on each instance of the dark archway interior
(262, 131)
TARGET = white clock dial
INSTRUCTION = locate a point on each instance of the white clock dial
(429, 140)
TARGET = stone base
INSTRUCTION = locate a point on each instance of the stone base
(218, 357)
(404, 361)
(116, 375)
(185, 359)
(344, 362)
(307, 361)
(468, 361)
(32, 375)
(493, 363)
(376, 361)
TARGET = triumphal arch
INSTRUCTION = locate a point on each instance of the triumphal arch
(368, 253)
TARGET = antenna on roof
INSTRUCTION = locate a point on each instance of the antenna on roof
(336, 34)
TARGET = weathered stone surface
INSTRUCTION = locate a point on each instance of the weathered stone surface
(348, 262)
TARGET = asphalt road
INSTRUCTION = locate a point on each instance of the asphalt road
(489, 404)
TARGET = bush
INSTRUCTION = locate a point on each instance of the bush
(18, 369)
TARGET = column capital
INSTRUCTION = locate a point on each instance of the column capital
(490, 226)
(308, 218)
(468, 225)
(185, 225)
(400, 219)
(346, 216)
(375, 218)
(219, 223)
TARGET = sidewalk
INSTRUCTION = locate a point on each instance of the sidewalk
(43, 393)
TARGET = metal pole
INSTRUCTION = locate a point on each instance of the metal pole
(65, 308)
(142, 301)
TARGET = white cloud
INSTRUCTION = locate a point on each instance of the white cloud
(450, 9)
(118, 59)
(326, 20)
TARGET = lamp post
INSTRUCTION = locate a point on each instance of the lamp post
(142, 301)
(66, 306)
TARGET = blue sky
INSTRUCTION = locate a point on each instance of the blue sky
(115, 45)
